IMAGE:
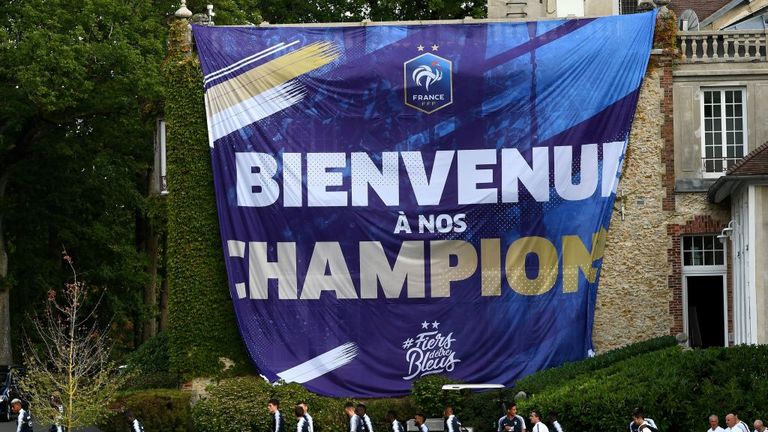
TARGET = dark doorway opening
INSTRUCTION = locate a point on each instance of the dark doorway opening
(706, 323)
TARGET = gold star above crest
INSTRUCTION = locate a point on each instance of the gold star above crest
(435, 47)
(420, 47)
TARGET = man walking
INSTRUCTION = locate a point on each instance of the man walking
(538, 425)
(354, 420)
(452, 424)
(419, 420)
(759, 426)
(553, 421)
(278, 422)
(638, 419)
(714, 424)
(641, 423)
(55, 401)
(23, 419)
(310, 421)
(365, 421)
(511, 422)
(133, 422)
(734, 424)
(302, 425)
(392, 424)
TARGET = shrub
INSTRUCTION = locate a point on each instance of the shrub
(153, 380)
(159, 410)
(482, 410)
(240, 404)
(553, 377)
(377, 410)
(430, 398)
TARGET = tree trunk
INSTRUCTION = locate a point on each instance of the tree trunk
(163, 321)
(150, 290)
(6, 353)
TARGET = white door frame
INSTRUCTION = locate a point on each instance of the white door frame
(712, 270)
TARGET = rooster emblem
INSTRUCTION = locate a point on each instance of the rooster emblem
(427, 74)
(428, 83)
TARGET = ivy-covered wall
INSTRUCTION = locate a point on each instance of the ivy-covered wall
(202, 326)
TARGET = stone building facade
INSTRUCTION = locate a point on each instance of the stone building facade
(688, 246)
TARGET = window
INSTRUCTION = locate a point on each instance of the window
(724, 132)
(628, 7)
(703, 250)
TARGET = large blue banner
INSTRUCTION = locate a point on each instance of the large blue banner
(401, 201)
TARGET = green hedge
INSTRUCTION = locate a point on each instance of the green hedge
(677, 388)
(429, 398)
(482, 410)
(159, 410)
(202, 324)
(377, 410)
(240, 404)
(553, 377)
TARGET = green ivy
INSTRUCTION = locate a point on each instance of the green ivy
(202, 326)
(151, 356)
(148, 366)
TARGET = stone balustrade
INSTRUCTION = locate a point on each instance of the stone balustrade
(722, 46)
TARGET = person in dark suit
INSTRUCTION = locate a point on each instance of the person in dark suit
(278, 422)
(419, 421)
(452, 424)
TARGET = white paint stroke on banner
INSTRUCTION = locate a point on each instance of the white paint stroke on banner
(321, 364)
(256, 108)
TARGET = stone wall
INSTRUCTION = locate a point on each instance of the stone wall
(640, 291)
(633, 299)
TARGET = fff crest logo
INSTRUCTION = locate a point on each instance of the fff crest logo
(428, 82)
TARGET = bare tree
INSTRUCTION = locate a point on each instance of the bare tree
(68, 359)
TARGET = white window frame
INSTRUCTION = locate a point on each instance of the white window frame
(160, 171)
(723, 130)
(703, 268)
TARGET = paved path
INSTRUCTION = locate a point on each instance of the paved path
(11, 427)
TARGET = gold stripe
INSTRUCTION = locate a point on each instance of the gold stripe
(270, 74)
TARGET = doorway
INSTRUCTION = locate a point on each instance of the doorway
(705, 305)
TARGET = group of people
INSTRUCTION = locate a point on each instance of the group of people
(640, 423)
(304, 422)
(734, 424)
(24, 418)
(513, 422)
(359, 421)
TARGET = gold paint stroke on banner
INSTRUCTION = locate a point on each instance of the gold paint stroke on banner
(270, 75)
